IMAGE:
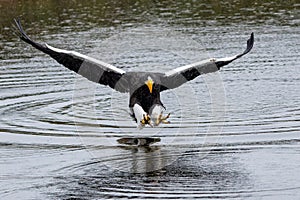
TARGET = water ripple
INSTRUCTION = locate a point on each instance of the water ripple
(58, 132)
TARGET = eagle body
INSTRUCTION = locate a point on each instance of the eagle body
(139, 92)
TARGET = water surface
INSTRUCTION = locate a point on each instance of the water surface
(234, 134)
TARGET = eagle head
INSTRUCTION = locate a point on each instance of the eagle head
(149, 83)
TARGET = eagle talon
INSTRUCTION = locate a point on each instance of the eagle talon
(162, 119)
(146, 120)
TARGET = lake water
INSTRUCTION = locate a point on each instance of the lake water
(234, 134)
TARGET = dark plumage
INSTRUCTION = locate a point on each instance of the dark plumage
(144, 88)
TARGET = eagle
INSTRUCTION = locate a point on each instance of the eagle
(144, 88)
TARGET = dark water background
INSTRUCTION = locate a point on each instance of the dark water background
(58, 131)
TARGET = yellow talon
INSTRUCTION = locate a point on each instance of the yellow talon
(146, 120)
(162, 119)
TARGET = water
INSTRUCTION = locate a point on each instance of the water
(238, 140)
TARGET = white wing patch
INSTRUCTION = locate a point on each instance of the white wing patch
(186, 67)
(106, 65)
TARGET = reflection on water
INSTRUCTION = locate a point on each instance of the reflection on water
(58, 131)
(202, 179)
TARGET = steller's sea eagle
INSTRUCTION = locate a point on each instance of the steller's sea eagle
(143, 87)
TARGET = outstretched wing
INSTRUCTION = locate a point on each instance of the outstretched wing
(90, 68)
(181, 75)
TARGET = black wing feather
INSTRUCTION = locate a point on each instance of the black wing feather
(92, 69)
(181, 75)
(222, 62)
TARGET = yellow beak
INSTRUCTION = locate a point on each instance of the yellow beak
(149, 83)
